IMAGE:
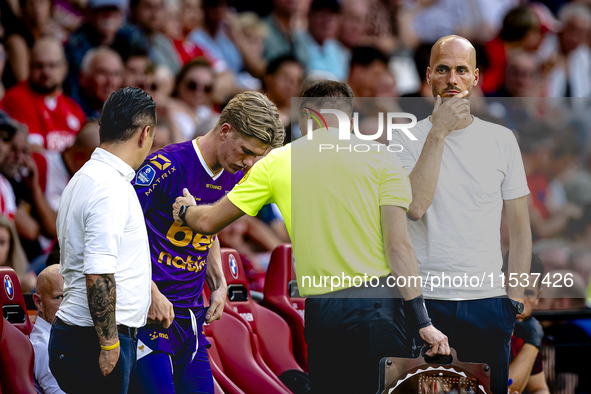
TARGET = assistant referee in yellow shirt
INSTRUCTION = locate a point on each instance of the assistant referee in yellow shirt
(349, 220)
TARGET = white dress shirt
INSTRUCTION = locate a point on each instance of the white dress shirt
(45, 383)
(101, 230)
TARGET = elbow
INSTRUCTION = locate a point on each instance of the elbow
(415, 212)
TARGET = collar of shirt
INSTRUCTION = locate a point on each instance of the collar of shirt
(43, 326)
(115, 162)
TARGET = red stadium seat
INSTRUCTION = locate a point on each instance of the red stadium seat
(12, 301)
(235, 362)
(271, 332)
(16, 361)
(280, 284)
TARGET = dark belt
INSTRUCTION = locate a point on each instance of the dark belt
(122, 329)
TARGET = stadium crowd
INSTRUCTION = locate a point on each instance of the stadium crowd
(61, 59)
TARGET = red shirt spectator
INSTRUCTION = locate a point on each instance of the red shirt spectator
(53, 121)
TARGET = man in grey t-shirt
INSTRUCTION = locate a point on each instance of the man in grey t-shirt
(463, 172)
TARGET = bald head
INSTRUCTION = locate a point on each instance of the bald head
(456, 46)
(48, 66)
(49, 294)
(452, 67)
(86, 142)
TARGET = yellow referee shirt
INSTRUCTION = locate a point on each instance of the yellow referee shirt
(335, 196)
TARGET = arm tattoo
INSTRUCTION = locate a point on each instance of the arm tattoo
(102, 298)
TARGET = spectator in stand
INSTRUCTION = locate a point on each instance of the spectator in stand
(148, 15)
(248, 32)
(55, 170)
(353, 26)
(574, 54)
(537, 142)
(53, 119)
(525, 368)
(36, 22)
(324, 53)
(283, 38)
(34, 220)
(282, 82)
(191, 15)
(420, 103)
(163, 136)
(215, 37)
(521, 30)
(193, 111)
(366, 69)
(172, 27)
(136, 68)
(48, 297)
(3, 56)
(13, 256)
(8, 129)
(103, 26)
(521, 77)
(101, 74)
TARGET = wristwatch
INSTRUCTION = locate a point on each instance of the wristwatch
(518, 306)
(182, 213)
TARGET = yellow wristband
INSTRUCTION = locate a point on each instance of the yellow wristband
(110, 347)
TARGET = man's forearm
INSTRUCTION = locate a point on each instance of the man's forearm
(520, 244)
(211, 219)
(102, 299)
(520, 367)
(425, 174)
(214, 274)
(403, 262)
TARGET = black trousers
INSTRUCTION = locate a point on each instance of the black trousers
(347, 337)
(74, 360)
(480, 331)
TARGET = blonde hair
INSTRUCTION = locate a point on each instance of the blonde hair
(16, 258)
(252, 114)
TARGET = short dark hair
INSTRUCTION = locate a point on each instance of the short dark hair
(517, 23)
(365, 56)
(336, 93)
(275, 64)
(125, 111)
(196, 62)
(422, 58)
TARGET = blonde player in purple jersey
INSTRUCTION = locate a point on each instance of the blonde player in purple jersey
(174, 359)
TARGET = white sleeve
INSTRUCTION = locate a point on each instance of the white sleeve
(515, 183)
(406, 155)
(104, 224)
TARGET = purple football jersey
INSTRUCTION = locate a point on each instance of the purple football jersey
(179, 255)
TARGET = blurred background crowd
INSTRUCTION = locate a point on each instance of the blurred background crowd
(61, 59)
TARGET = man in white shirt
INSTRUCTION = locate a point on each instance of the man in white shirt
(48, 297)
(464, 172)
(105, 260)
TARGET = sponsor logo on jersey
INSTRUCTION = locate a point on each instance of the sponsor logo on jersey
(161, 162)
(145, 176)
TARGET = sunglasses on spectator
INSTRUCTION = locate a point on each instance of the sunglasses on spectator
(192, 85)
